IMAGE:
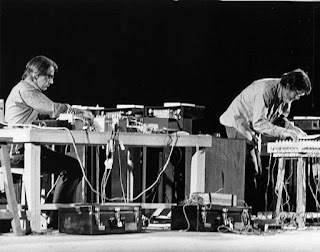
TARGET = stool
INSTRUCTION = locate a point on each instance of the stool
(13, 212)
(21, 197)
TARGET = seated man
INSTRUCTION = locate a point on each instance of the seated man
(25, 103)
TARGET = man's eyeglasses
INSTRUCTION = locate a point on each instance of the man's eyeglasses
(298, 94)
(49, 76)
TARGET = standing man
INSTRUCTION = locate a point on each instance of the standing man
(263, 108)
(25, 103)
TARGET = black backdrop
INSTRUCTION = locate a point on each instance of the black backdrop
(152, 51)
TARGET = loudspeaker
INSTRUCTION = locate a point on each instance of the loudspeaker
(225, 166)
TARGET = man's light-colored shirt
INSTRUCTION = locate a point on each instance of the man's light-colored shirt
(26, 101)
(257, 109)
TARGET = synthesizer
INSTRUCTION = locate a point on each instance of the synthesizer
(289, 148)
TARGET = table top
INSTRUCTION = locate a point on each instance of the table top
(82, 137)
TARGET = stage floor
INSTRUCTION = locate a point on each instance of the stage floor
(169, 240)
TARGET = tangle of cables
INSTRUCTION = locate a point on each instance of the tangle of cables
(215, 217)
(111, 147)
(287, 215)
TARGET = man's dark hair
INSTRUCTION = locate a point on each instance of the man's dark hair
(296, 80)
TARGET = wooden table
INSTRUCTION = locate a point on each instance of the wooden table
(32, 138)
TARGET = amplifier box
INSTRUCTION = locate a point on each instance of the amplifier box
(170, 124)
(100, 219)
(52, 123)
(175, 112)
(307, 122)
(123, 111)
(207, 217)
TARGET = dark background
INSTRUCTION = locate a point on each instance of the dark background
(150, 51)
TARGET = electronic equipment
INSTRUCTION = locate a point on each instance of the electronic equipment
(307, 123)
(289, 148)
(96, 110)
(173, 116)
(169, 125)
(77, 121)
(138, 118)
(120, 110)
(123, 118)
(103, 124)
(175, 112)
(124, 110)
(52, 123)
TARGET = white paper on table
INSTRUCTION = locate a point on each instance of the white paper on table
(310, 137)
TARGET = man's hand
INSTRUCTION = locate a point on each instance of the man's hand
(290, 134)
(300, 132)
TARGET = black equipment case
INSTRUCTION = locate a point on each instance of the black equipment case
(100, 219)
(208, 217)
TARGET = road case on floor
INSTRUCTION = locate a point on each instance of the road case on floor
(100, 219)
(208, 217)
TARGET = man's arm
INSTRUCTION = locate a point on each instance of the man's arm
(41, 103)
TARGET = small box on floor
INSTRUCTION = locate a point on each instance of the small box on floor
(100, 219)
(208, 217)
(5, 226)
(221, 199)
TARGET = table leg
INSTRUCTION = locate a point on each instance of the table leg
(197, 174)
(187, 171)
(301, 192)
(32, 184)
(279, 184)
(97, 169)
(9, 188)
(130, 175)
(144, 172)
(161, 199)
